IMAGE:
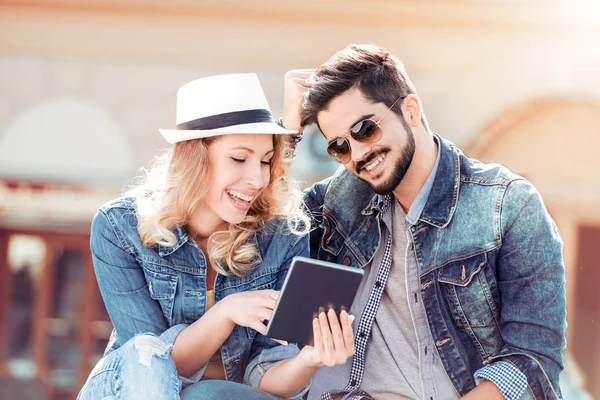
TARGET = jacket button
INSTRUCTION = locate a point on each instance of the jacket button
(346, 261)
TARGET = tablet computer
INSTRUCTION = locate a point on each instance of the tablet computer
(311, 284)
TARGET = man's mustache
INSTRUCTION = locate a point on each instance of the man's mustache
(369, 158)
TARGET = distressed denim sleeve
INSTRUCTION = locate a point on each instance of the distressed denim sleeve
(265, 352)
(122, 283)
(531, 280)
(125, 291)
(511, 382)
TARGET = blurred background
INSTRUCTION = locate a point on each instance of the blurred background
(85, 85)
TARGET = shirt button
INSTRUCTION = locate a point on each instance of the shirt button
(362, 334)
(353, 382)
(346, 261)
(377, 284)
(236, 361)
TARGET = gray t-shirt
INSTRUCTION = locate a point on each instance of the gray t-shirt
(392, 359)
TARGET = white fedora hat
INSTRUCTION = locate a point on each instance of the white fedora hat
(220, 105)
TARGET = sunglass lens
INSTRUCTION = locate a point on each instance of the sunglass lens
(365, 131)
(339, 149)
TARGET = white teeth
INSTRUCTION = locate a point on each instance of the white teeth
(239, 195)
(374, 164)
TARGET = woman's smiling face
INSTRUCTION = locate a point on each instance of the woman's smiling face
(239, 168)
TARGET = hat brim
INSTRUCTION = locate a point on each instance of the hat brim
(175, 135)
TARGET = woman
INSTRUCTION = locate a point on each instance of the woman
(190, 263)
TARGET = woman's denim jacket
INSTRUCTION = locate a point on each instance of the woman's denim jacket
(161, 290)
(490, 258)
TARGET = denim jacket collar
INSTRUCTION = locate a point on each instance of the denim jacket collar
(182, 238)
(443, 197)
(376, 204)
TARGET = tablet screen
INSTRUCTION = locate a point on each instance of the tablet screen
(309, 285)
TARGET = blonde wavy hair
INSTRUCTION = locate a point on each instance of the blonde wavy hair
(169, 193)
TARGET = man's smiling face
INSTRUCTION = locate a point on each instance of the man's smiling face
(384, 163)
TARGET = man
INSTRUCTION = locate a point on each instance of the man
(464, 293)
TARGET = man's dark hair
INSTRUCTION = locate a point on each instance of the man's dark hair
(379, 75)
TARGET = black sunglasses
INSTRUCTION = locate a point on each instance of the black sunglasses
(364, 131)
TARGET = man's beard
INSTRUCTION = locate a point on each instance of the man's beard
(401, 167)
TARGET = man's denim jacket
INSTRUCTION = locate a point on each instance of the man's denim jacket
(161, 290)
(490, 259)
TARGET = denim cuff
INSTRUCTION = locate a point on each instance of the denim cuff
(169, 337)
(171, 334)
(266, 359)
(195, 377)
(511, 382)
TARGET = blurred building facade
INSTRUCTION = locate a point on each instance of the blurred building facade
(85, 84)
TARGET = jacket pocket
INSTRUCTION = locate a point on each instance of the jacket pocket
(467, 291)
(162, 288)
(470, 289)
(264, 277)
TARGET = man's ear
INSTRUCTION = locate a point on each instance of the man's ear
(411, 109)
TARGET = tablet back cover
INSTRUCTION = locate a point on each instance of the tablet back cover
(311, 284)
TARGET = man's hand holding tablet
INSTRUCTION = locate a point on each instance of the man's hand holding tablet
(312, 309)
(333, 340)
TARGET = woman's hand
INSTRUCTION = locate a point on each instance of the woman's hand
(250, 308)
(297, 83)
(333, 340)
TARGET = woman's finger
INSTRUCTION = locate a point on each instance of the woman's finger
(273, 294)
(258, 326)
(267, 298)
(270, 303)
(264, 313)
